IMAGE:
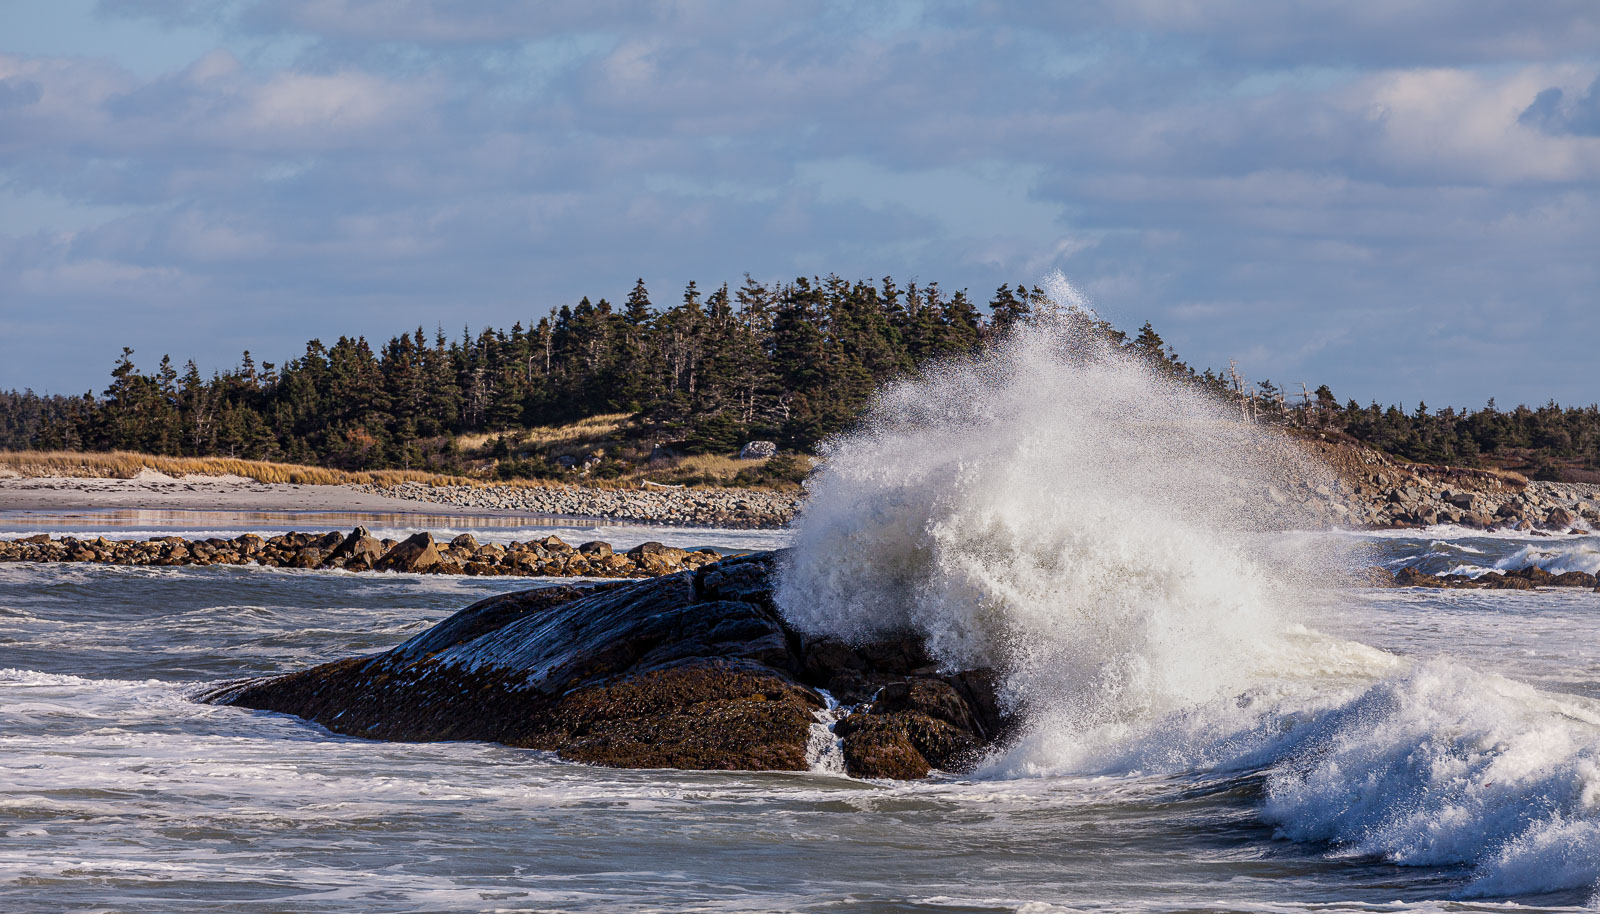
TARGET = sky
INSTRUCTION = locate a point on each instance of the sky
(1397, 198)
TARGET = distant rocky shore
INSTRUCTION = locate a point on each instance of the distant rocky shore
(361, 551)
(731, 508)
(1368, 490)
(1373, 491)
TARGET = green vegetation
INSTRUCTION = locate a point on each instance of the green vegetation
(625, 389)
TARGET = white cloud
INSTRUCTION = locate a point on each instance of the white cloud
(1330, 165)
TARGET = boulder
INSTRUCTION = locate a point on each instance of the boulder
(417, 553)
(758, 450)
(358, 551)
(554, 545)
(1559, 519)
(655, 558)
(692, 670)
(1412, 577)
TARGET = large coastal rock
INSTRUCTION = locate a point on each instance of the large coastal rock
(690, 670)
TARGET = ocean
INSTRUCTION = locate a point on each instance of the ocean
(1445, 756)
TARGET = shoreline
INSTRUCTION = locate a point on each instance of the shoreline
(1367, 491)
(689, 508)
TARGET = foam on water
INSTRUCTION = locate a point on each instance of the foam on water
(1063, 514)
(1557, 558)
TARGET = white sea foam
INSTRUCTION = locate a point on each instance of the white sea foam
(1570, 555)
(1092, 531)
(1444, 765)
(1059, 511)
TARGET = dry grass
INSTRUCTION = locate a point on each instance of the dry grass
(714, 466)
(543, 437)
(126, 465)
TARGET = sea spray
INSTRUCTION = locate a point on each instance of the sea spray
(1109, 540)
(1062, 511)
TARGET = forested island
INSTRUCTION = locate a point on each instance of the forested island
(790, 363)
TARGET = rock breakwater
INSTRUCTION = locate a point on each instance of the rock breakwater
(730, 508)
(360, 551)
(695, 669)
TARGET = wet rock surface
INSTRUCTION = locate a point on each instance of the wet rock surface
(1529, 578)
(694, 669)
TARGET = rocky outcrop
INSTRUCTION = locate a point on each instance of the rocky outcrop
(695, 669)
(361, 551)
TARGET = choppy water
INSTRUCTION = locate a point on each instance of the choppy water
(117, 793)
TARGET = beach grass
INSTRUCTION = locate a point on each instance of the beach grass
(126, 465)
(698, 469)
(550, 437)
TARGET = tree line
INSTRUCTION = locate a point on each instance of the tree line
(793, 362)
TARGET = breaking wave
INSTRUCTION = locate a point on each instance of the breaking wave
(1109, 540)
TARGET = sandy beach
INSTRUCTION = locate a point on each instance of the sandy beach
(156, 491)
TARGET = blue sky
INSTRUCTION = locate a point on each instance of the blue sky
(1396, 198)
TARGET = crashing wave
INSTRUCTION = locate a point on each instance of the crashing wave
(1103, 536)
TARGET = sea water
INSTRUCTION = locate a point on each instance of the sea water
(1452, 778)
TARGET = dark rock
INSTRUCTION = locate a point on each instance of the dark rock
(308, 557)
(465, 541)
(1412, 577)
(595, 549)
(691, 670)
(417, 553)
(358, 551)
(555, 545)
(1559, 519)
(903, 744)
(1497, 581)
(1538, 576)
(650, 548)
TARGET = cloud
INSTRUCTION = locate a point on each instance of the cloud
(1552, 113)
(19, 93)
(1327, 185)
(1381, 33)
